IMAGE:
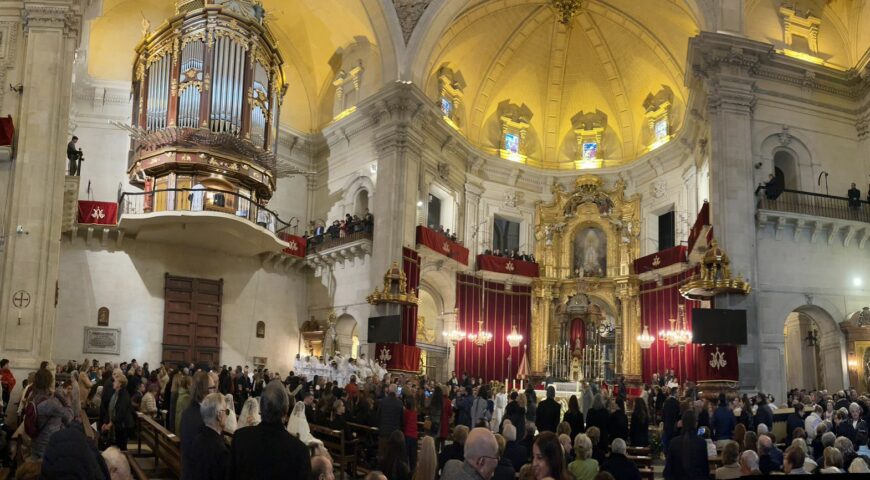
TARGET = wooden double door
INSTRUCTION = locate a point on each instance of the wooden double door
(192, 320)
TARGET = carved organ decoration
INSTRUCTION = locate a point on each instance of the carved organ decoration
(657, 110)
(586, 242)
(207, 89)
(589, 129)
(451, 85)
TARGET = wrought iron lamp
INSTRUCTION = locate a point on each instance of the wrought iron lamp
(678, 335)
(812, 338)
(645, 339)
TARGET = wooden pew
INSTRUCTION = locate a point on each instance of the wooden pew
(641, 460)
(647, 473)
(367, 451)
(135, 469)
(637, 451)
(165, 445)
(343, 451)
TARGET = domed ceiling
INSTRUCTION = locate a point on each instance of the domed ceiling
(609, 57)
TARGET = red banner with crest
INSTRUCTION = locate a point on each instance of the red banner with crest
(439, 242)
(510, 266)
(296, 245)
(97, 213)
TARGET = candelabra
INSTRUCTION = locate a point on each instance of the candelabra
(481, 337)
(678, 335)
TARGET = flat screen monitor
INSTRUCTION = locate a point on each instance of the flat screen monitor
(386, 329)
(716, 326)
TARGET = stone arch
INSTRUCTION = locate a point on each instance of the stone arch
(776, 140)
(346, 328)
(832, 343)
(352, 191)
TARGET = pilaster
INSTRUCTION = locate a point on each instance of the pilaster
(29, 285)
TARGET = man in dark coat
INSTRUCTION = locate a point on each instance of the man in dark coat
(191, 422)
(618, 464)
(687, 454)
(268, 450)
(723, 422)
(209, 447)
(513, 451)
(549, 412)
(764, 414)
(390, 415)
(670, 417)
(70, 454)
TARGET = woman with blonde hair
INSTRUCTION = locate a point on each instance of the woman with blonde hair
(584, 467)
(427, 461)
(250, 415)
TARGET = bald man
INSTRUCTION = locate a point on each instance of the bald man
(321, 468)
(481, 458)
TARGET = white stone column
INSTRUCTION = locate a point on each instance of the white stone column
(730, 104)
(51, 34)
(472, 220)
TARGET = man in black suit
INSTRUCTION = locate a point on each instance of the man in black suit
(513, 451)
(191, 422)
(854, 197)
(687, 454)
(268, 450)
(670, 416)
(547, 417)
(209, 447)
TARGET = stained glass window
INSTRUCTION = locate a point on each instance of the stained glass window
(590, 150)
(447, 107)
(661, 129)
(512, 143)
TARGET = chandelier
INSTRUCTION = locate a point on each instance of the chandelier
(514, 338)
(678, 335)
(645, 339)
(481, 337)
(455, 335)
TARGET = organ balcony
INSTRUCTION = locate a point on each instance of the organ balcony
(207, 89)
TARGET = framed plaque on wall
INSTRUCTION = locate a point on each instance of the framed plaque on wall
(102, 340)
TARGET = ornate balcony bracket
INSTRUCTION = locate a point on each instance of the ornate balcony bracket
(812, 228)
(342, 256)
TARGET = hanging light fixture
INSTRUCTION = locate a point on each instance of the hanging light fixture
(645, 339)
(481, 337)
(514, 338)
(454, 335)
(812, 338)
(678, 335)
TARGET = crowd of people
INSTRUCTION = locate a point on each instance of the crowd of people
(317, 232)
(465, 428)
(512, 254)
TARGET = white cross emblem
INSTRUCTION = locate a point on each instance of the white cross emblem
(293, 246)
(385, 355)
(509, 266)
(656, 261)
(717, 359)
(98, 214)
(446, 247)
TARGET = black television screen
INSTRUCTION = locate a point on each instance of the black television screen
(386, 329)
(716, 326)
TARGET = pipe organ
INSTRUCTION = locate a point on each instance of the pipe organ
(207, 89)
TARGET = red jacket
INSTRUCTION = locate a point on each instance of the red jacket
(410, 423)
(7, 379)
(446, 413)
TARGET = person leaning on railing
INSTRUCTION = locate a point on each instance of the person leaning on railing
(854, 197)
(772, 188)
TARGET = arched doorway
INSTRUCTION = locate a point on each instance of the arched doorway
(785, 170)
(346, 328)
(813, 350)
(361, 203)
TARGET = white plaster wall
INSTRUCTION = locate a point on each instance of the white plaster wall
(130, 282)
(343, 289)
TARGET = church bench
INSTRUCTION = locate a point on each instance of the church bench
(641, 460)
(135, 470)
(637, 451)
(165, 445)
(367, 454)
(647, 473)
(343, 451)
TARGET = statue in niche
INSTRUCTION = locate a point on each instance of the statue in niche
(330, 340)
(590, 253)
(261, 329)
(103, 317)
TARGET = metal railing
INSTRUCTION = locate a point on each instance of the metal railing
(324, 242)
(200, 200)
(815, 204)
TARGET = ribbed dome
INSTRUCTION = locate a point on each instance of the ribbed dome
(609, 59)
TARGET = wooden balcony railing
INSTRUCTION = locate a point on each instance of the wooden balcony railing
(814, 204)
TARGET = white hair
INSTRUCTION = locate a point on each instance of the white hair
(119, 468)
(749, 459)
(509, 431)
(762, 429)
(618, 446)
(209, 408)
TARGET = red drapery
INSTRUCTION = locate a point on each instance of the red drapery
(297, 244)
(661, 259)
(702, 221)
(98, 213)
(499, 308)
(658, 305)
(717, 363)
(578, 330)
(510, 266)
(411, 267)
(399, 357)
(439, 242)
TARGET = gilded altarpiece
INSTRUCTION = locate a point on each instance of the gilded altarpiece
(587, 240)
